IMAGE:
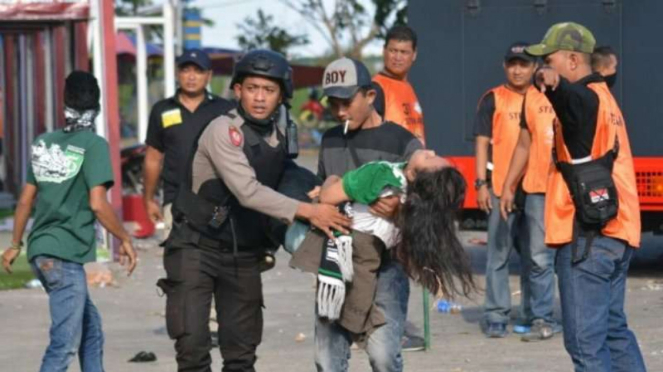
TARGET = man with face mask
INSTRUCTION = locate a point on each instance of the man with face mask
(68, 179)
(222, 220)
(593, 169)
(604, 62)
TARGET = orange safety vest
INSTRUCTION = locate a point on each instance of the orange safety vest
(506, 129)
(401, 105)
(539, 116)
(560, 211)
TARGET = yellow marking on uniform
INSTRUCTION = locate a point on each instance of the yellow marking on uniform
(171, 117)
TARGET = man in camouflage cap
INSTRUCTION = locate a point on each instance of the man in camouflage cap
(593, 258)
(566, 50)
(568, 36)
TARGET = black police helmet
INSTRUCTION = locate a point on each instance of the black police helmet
(262, 62)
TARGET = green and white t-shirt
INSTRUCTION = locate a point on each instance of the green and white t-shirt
(64, 167)
(367, 184)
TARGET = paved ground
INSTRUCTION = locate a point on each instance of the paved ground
(133, 317)
(133, 321)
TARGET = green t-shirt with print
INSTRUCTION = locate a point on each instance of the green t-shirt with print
(65, 167)
(369, 182)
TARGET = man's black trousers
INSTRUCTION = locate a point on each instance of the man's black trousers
(195, 273)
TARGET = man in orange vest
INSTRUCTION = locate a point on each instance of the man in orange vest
(396, 101)
(594, 252)
(531, 162)
(497, 125)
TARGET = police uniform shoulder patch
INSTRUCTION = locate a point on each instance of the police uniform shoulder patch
(235, 135)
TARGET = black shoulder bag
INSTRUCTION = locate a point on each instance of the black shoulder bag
(594, 195)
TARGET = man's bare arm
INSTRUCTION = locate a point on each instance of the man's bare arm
(21, 216)
(151, 174)
(332, 191)
(107, 218)
(516, 172)
(481, 149)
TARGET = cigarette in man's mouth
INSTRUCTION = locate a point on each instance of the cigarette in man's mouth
(345, 128)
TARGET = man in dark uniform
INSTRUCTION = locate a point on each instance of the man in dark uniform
(174, 125)
(222, 218)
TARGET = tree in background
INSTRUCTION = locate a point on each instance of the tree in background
(260, 32)
(347, 25)
(130, 7)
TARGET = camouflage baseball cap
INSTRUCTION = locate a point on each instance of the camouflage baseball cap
(564, 36)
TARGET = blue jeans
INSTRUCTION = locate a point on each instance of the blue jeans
(596, 334)
(332, 342)
(541, 260)
(75, 321)
(502, 239)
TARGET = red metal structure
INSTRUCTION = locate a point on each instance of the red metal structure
(40, 44)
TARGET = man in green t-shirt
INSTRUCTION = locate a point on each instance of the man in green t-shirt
(68, 178)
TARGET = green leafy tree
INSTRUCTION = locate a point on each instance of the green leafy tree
(347, 25)
(130, 7)
(260, 32)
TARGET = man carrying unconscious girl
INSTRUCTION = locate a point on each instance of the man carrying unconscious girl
(421, 237)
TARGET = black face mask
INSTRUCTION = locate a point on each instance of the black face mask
(610, 79)
(262, 126)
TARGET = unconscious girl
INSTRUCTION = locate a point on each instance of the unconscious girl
(422, 235)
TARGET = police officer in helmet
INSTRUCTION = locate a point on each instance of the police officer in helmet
(223, 214)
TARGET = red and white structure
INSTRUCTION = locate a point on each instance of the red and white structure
(41, 42)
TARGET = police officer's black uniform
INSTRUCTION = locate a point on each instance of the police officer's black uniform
(220, 237)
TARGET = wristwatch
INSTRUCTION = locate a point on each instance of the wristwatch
(17, 246)
(478, 183)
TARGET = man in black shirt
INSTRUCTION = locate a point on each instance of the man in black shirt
(496, 130)
(592, 261)
(174, 125)
(363, 137)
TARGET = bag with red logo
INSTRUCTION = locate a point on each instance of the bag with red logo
(592, 189)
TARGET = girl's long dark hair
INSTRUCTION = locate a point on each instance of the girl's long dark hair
(429, 248)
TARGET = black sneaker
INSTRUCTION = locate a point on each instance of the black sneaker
(412, 343)
(143, 357)
(540, 331)
(496, 330)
